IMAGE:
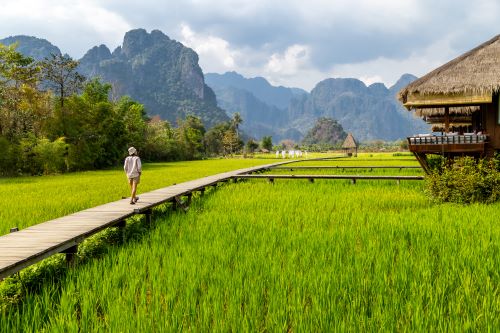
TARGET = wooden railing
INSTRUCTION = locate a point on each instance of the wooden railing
(448, 139)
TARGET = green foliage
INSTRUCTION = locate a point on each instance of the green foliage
(213, 139)
(51, 156)
(465, 180)
(160, 143)
(267, 143)
(59, 73)
(436, 162)
(251, 146)
(190, 137)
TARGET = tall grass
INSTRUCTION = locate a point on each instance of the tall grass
(289, 256)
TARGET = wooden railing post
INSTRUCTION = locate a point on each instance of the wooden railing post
(71, 255)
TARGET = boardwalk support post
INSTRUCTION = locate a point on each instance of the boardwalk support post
(15, 229)
(148, 215)
(121, 228)
(178, 203)
(271, 180)
(353, 181)
(311, 180)
(71, 255)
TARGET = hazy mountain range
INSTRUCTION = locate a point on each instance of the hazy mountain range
(165, 76)
(368, 112)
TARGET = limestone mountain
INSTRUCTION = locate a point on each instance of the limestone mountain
(259, 87)
(370, 112)
(34, 47)
(157, 71)
(326, 131)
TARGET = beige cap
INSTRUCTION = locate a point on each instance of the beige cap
(132, 151)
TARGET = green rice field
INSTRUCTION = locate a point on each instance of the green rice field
(290, 256)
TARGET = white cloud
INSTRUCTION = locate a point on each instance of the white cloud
(290, 42)
(74, 26)
(214, 52)
(295, 58)
(389, 70)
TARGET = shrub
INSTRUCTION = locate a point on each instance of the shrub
(51, 156)
(465, 180)
(436, 163)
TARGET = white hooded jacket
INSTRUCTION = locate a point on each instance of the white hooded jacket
(132, 166)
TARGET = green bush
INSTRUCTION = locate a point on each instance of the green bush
(51, 156)
(465, 180)
(436, 163)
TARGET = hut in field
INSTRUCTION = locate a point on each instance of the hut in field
(350, 146)
(461, 100)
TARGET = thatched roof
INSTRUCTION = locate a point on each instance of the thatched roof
(349, 142)
(441, 127)
(462, 110)
(474, 72)
(453, 119)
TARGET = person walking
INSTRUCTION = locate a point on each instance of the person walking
(133, 169)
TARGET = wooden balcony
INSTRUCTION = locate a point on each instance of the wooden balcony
(454, 144)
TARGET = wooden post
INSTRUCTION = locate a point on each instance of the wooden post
(446, 119)
(353, 181)
(121, 227)
(271, 180)
(15, 229)
(174, 204)
(311, 180)
(202, 191)
(190, 197)
(148, 215)
(71, 255)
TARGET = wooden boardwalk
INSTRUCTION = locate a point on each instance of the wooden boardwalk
(400, 167)
(26, 247)
(311, 178)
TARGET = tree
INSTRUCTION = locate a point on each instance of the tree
(59, 73)
(267, 142)
(190, 137)
(19, 99)
(230, 141)
(160, 144)
(236, 122)
(214, 137)
(251, 146)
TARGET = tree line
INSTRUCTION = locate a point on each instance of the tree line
(52, 119)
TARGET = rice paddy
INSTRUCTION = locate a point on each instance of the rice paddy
(288, 256)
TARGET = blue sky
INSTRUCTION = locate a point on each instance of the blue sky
(291, 43)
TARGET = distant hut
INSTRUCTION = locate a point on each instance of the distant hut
(350, 146)
(460, 99)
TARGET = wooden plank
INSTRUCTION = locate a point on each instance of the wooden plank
(348, 167)
(375, 177)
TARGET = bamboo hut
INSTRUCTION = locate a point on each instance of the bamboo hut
(350, 146)
(461, 99)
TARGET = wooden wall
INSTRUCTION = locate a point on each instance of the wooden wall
(491, 122)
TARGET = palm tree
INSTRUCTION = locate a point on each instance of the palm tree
(236, 121)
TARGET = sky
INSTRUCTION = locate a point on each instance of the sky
(294, 43)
